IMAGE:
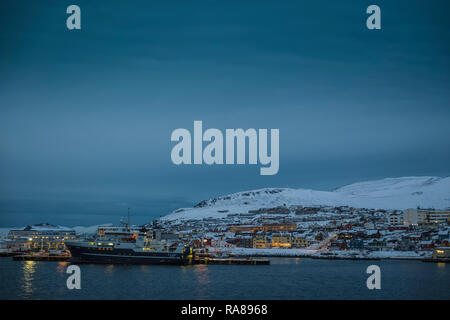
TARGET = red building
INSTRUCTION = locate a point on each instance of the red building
(427, 245)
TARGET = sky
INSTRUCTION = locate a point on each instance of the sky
(86, 115)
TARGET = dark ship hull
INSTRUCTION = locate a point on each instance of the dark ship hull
(124, 256)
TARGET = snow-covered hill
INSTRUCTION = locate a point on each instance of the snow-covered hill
(389, 193)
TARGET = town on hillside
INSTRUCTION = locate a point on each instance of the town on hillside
(331, 232)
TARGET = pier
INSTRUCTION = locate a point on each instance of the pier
(228, 261)
(437, 260)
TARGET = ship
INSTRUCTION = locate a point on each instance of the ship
(126, 244)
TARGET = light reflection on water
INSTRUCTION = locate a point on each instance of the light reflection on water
(285, 278)
(109, 269)
(145, 268)
(62, 266)
(28, 277)
(203, 280)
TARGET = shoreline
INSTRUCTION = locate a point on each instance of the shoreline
(294, 257)
(319, 254)
(342, 258)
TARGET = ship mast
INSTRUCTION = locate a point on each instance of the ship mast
(128, 222)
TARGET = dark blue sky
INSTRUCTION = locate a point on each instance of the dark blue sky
(86, 116)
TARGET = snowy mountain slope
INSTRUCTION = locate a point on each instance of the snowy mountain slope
(400, 193)
(389, 193)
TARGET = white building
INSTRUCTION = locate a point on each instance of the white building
(395, 218)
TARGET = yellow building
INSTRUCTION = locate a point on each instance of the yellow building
(280, 227)
(260, 241)
(245, 228)
(299, 242)
(441, 253)
(281, 240)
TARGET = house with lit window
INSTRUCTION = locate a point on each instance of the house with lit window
(298, 241)
(426, 245)
(376, 245)
(244, 241)
(281, 240)
(425, 216)
(441, 253)
(260, 240)
(280, 227)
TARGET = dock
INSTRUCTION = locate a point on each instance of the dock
(437, 260)
(228, 261)
(8, 254)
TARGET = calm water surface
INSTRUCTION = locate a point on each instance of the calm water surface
(285, 278)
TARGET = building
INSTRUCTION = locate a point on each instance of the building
(376, 245)
(281, 240)
(442, 235)
(405, 245)
(395, 219)
(441, 253)
(355, 244)
(369, 225)
(426, 245)
(437, 216)
(246, 228)
(280, 227)
(260, 240)
(244, 242)
(299, 242)
(412, 217)
(337, 245)
(425, 216)
(398, 227)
